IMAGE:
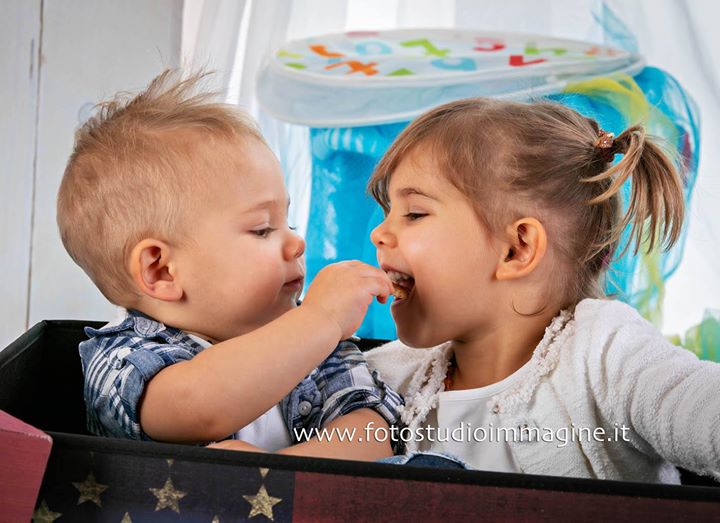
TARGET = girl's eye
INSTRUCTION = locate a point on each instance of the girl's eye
(292, 227)
(412, 216)
(263, 233)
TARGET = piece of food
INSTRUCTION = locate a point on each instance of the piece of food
(399, 292)
(402, 284)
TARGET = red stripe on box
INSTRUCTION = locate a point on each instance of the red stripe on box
(326, 497)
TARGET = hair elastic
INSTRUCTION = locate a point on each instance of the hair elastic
(606, 143)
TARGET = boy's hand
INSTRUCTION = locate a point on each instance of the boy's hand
(344, 290)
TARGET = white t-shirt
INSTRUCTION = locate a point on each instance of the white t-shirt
(269, 431)
(460, 425)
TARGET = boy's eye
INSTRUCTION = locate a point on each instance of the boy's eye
(412, 216)
(263, 233)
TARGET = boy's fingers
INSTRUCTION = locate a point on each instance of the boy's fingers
(381, 288)
(379, 273)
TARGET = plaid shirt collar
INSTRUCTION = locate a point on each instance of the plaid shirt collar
(144, 327)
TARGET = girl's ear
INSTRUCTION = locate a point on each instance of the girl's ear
(523, 251)
(153, 270)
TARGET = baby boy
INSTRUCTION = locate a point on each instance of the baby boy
(176, 209)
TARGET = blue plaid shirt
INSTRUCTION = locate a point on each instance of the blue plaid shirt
(119, 360)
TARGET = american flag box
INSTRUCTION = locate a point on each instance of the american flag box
(89, 478)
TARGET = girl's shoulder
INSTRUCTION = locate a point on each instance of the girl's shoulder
(603, 319)
(607, 310)
(397, 363)
(610, 328)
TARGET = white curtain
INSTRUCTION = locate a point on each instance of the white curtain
(678, 36)
(212, 38)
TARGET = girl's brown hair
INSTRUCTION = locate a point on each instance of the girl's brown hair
(545, 160)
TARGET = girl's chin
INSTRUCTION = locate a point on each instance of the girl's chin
(410, 337)
(406, 318)
(416, 342)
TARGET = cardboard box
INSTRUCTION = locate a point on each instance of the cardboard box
(103, 479)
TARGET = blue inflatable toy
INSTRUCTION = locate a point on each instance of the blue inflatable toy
(357, 91)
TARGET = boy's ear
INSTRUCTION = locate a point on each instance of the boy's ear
(153, 270)
(525, 248)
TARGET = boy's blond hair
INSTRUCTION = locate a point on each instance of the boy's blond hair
(134, 168)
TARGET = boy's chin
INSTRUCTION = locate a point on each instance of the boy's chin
(292, 303)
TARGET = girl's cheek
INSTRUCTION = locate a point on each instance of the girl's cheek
(415, 245)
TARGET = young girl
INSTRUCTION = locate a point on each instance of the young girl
(501, 220)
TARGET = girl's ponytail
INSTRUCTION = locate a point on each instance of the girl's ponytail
(656, 192)
(545, 160)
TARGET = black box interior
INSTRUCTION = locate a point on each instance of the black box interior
(41, 383)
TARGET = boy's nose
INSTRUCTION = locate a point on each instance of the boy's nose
(380, 235)
(295, 247)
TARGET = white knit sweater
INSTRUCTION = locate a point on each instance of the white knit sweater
(602, 366)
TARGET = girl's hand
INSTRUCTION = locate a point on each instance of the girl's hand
(235, 444)
(343, 291)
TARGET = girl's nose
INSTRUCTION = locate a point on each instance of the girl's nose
(381, 236)
(294, 247)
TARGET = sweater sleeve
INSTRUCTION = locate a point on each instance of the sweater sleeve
(663, 393)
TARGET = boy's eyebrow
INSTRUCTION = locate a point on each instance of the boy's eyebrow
(261, 205)
(265, 204)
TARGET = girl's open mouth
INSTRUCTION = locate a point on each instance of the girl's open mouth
(403, 284)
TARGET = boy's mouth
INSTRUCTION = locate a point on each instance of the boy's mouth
(403, 284)
(295, 285)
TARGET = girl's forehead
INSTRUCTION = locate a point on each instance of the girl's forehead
(419, 171)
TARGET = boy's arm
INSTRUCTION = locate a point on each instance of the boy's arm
(230, 384)
(361, 435)
(343, 408)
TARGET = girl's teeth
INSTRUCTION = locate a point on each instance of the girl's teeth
(398, 277)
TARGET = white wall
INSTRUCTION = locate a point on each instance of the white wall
(19, 41)
(58, 58)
